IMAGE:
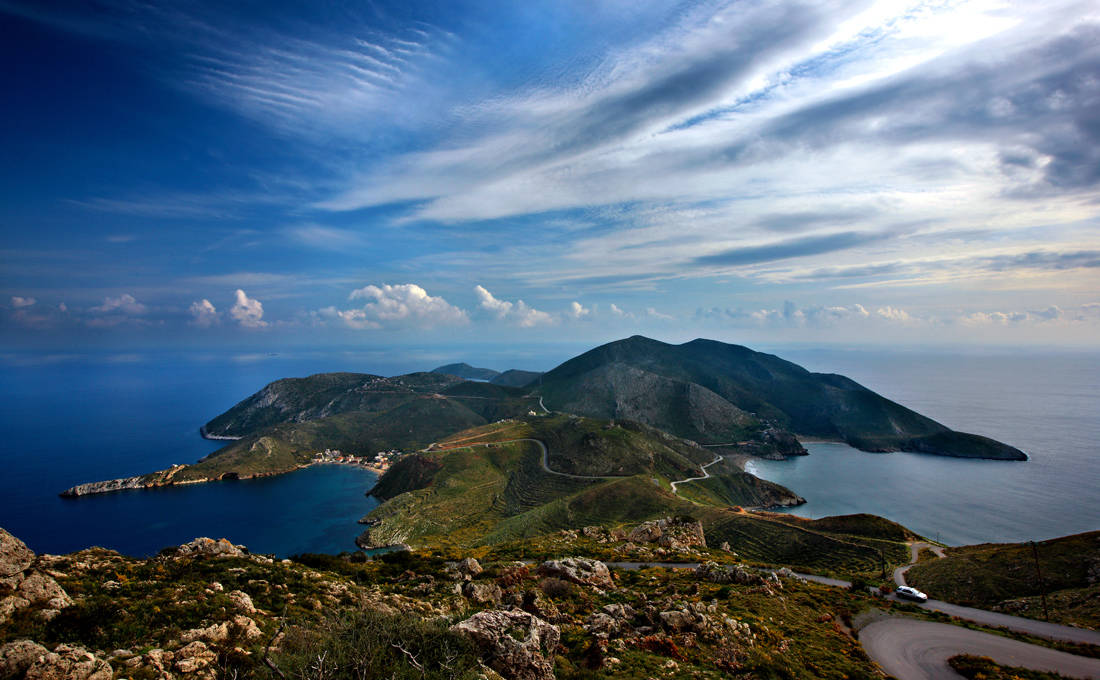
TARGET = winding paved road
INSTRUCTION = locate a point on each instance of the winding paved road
(1052, 631)
(918, 650)
(692, 479)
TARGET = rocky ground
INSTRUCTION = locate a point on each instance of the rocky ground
(210, 609)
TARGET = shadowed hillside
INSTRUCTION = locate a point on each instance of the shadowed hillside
(714, 392)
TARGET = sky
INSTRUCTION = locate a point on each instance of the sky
(269, 174)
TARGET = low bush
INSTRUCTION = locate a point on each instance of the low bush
(363, 645)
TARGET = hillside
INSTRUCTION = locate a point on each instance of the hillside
(516, 378)
(489, 485)
(209, 609)
(296, 400)
(467, 372)
(1003, 577)
(713, 392)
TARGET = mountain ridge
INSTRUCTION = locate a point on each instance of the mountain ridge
(777, 393)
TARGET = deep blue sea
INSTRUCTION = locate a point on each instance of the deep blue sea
(78, 418)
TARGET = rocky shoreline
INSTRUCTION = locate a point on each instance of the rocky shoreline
(217, 437)
(159, 479)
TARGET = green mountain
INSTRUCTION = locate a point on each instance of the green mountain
(464, 370)
(516, 378)
(713, 393)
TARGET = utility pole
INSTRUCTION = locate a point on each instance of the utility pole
(1042, 586)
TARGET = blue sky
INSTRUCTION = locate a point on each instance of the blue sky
(257, 174)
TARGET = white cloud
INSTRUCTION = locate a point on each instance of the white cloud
(248, 312)
(578, 311)
(399, 305)
(654, 314)
(893, 313)
(21, 302)
(518, 312)
(616, 310)
(123, 304)
(203, 313)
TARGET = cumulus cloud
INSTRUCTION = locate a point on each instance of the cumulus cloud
(123, 304)
(518, 312)
(248, 312)
(893, 313)
(652, 313)
(578, 311)
(400, 305)
(1051, 314)
(21, 302)
(793, 315)
(203, 313)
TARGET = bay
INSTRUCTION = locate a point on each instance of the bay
(1046, 405)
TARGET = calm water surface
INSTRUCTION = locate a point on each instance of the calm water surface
(1048, 406)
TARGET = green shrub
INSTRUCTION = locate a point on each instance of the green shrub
(363, 645)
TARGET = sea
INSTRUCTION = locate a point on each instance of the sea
(73, 418)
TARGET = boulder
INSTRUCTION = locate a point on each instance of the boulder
(716, 573)
(482, 593)
(463, 569)
(242, 602)
(16, 657)
(15, 556)
(214, 633)
(209, 547)
(601, 625)
(246, 628)
(674, 533)
(515, 644)
(579, 570)
(37, 588)
(647, 532)
(194, 657)
(9, 605)
(66, 662)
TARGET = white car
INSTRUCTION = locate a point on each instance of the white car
(910, 593)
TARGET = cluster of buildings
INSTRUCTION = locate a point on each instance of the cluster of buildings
(383, 459)
(379, 463)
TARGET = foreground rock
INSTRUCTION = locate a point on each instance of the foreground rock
(26, 659)
(673, 533)
(518, 645)
(15, 556)
(580, 570)
(729, 573)
(22, 586)
(208, 547)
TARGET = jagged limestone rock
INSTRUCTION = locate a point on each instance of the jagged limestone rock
(16, 657)
(580, 570)
(67, 662)
(15, 556)
(516, 644)
(209, 547)
(482, 593)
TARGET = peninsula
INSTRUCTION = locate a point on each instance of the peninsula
(727, 398)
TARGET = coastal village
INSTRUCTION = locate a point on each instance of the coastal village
(379, 463)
